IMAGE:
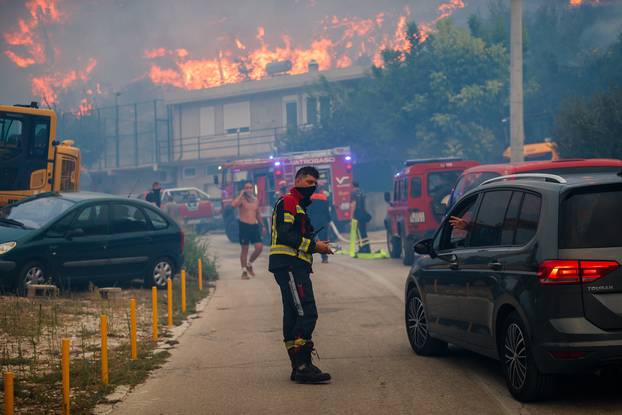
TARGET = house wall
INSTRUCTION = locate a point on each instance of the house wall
(267, 119)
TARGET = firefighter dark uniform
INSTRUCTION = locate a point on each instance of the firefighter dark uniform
(291, 258)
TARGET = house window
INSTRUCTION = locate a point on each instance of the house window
(311, 110)
(207, 124)
(237, 117)
(189, 172)
(324, 108)
(291, 114)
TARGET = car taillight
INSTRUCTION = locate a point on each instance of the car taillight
(572, 272)
(593, 270)
(182, 240)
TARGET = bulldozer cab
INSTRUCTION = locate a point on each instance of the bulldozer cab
(31, 161)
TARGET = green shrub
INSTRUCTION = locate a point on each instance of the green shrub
(196, 247)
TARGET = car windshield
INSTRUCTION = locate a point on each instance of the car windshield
(35, 213)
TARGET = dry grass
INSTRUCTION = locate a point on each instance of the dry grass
(31, 331)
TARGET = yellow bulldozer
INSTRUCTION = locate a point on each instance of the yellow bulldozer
(32, 161)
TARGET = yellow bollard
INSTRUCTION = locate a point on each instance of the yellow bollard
(133, 354)
(104, 347)
(8, 393)
(65, 377)
(183, 291)
(154, 313)
(169, 299)
(200, 275)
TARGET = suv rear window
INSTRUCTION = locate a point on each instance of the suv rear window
(591, 219)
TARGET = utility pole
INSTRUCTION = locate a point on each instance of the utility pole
(116, 129)
(517, 127)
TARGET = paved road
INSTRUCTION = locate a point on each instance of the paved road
(232, 361)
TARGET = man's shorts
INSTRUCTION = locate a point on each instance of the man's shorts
(249, 234)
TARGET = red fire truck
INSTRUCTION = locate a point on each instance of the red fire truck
(334, 165)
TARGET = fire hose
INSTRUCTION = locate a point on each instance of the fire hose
(346, 240)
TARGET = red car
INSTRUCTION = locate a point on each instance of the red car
(190, 207)
(420, 191)
(475, 176)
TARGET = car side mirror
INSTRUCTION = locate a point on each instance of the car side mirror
(75, 232)
(424, 247)
(387, 197)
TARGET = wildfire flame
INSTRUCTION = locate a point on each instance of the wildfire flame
(27, 38)
(340, 42)
(337, 42)
(46, 86)
(578, 3)
(28, 47)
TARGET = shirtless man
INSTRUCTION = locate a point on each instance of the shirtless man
(251, 227)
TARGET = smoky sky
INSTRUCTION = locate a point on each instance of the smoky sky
(117, 32)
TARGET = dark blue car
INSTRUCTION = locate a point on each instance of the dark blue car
(68, 238)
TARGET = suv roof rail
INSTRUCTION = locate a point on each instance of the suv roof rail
(553, 178)
(432, 160)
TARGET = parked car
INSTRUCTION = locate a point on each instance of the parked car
(529, 274)
(474, 176)
(190, 207)
(418, 203)
(78, 237)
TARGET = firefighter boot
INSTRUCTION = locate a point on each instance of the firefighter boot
(292, 358)
(306, 371)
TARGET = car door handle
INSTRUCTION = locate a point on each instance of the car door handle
(453, 262)
(496, 266)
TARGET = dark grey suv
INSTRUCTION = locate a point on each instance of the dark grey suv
(526, 271)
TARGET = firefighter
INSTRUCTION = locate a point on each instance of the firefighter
(319, 212)
(291, 257)
(359, 212)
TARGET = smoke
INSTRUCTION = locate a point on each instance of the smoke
(94, 50)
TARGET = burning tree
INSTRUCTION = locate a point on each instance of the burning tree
(444, 95)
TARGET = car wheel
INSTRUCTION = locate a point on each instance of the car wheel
(394, 246)
(417, 327)
(33, 272)
(161, 271)
(409, 251)
(524, 380)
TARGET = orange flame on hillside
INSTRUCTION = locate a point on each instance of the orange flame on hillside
(340, 43)
(28, 47)
(578, 3)
(27, 38)
(46, 86)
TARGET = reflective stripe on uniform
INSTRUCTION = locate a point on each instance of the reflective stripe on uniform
(288, 217)
(304, 245)
(278, 249)
(300, 210)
